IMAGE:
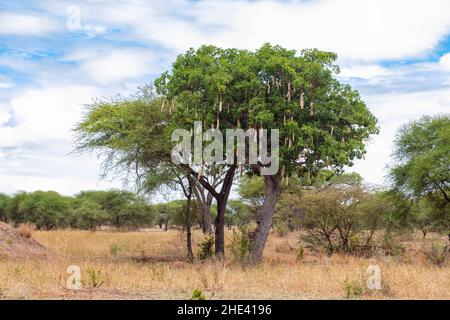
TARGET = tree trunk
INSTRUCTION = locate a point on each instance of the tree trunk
(187, 220)
(206, 211)
(265, 217)
(222, 200)
(424, 234)
(219, 229)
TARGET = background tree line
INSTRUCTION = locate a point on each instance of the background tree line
(89, 210)
(86, 210)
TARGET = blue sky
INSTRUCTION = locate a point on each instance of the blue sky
(56, 56)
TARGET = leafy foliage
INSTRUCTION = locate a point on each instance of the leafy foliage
(87, 210)
(332, 218)
(206, 248)
(240, 245)
(122, 208)
(90, 215)
(421, 169)
(4, 201)
(272, 88)
(46, 209)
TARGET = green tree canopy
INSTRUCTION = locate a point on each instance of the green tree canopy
(422, 158)
(322, 123)
(122, 208)
(421, 171)
(4, 201)
(46, 209)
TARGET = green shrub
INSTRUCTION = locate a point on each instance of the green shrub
(114, 249)
(93, 279)
(198, 295)
(240, 245)
(281, 229)
(390, 245)
(206, 248)
(353, 288)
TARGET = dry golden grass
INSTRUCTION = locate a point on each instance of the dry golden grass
(151, 265)
(26, 230)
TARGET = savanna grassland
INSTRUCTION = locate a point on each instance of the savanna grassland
(151, 265)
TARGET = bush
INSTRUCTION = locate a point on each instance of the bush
(332, 218)
(390, 245)
(240, 245)
(93, 279)
(281, 229)
(437, 254)
(353, 288)
(114, 249)
(206, 248)
(198, 295)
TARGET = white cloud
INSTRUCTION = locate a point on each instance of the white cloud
(4, 116)
(364, 71)
(67, 185)
(41, 116)
(139, 37)
(25, 24)
(6, 85)
(367, 30)
(392, 111)
(106, 66)
(35, 148)
(444, 61)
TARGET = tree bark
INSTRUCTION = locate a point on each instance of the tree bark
(187, 220)
(204, 198)
(219, 244)
(222, 200)
(272, 186)
(206, 211)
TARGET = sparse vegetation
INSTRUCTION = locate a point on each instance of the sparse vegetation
(240, 244)
(437, 254)
(305, 229)
(93, 278)
(114, 249)
(166, 274)
(354, 288)
(198, 295)
(26, 230)
(206, 248)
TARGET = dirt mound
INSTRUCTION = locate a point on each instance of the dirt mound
(17, 246)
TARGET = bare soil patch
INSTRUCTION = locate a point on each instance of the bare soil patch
(14, 245)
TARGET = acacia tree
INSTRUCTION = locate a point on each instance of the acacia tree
(421, 169)
(131, 135)
(322, 123)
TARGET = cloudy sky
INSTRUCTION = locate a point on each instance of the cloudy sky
(56, 56)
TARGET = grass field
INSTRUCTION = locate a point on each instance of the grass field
(151, 265)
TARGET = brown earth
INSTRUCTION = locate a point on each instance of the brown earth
(14, 245)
